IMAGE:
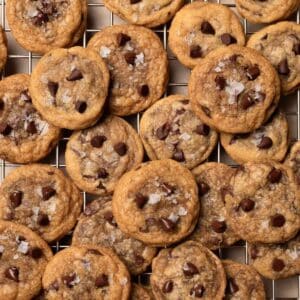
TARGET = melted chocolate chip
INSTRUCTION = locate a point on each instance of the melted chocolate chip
(144, 90)
(278, 264)
(25, 96)
(40, 19)
(135, 1)
(5, 129)
(195, 51)
(48, 192)
(98, 140)
(12, 273)
(163, 131)
(246, 101)
(220, 82)
(101, 281)
(130, 57)
(283, 68)
(16, 199)
(207, 28)
(35, 252)
(121, 148)
(178, 155)
(31, 128)
(253, 72)
(102, 173)
(197, 290)
(68, 280)
(53, 88)
(139, 260)
(75, 75)
(109, 217)
(247, 205)
(232, 287)
(185, 102)
(218, 226)
(203, 129)
(275, 175)
(206, 110)
(189, 269)
(278, 220)
(2, 104)
(43, 220)
(81, 106)
(167, 287)
(253, 252)
(167, 225)
(140, 200)
(122, 39)
(90, 209)
(227, 39)
(265, 143)
(296, 48)
(203, 188)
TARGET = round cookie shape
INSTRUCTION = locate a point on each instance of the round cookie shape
(3, 48)
(269, 142)
(275, 261)
(24, 256)
(147, 13)
(69, 87)
(42, 198)
(212, 229)
(187, 271)
(97, 226)
(86, 272)
(201, 27)
(170, 129)
(140, 293)
(293, 161)
(138, 66)
(243, 282)
(154, 205)
(280, 44)
(263, 205)
(98, 156)
(40, 26)
(257, 11)
(234, 89)
(24, 135)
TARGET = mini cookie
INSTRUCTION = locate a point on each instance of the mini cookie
(41, 198)
(257, 11)
(40, 26)
(24, 256)
(293, 161)
(277, 260)
(154, 206)
(3, 48)
(234, 89)
(187, 271)
(213, 230)
(138, 66)
(86, 273)
(269, 142)
(243, 282)
(97, 226)
(97, 157)
(69, 87)
(200, 28)
(170, 129)
(144, 12)
(140, 293)
(280, 44)
(24, 135)
(263, 204)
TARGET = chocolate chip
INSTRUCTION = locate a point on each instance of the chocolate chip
(189, 269)
(207, 28)
(168, 188)
(68, 280)
(178, 155)
(75, 75)
(53, 88)
(275, 175)
(228, 39)
(109, 217)
(246, 101)
(35, 252)
(12, 273)
(167, 287)
(140, 200)
(203, 188)
(90, 209)
(121, 148)
(130, 57)
(48, 192)
(203, 129)
(197, 290)
(195, 51)
(163, 131)
(232, 287)
(253, 252)
(283, 67)
(253, 72)
(278, 220)
(122, 39)
(40, 19)
(220, 82)
(31, 128)
(259, 96)
(144, 90)
(247, 205)
(296, 48)
(43, 220)
(167, 225)
(265, 143)
(278, 264)
(80, 106)
(16, 198)
(98, 140)
(180, 111)
(185, 102)
(135, 1)
(206, 110)
(139, 260)
(2, 104)
(102, 173)
(5, 129)
(101, 281)
(25, 96)
(218, 226)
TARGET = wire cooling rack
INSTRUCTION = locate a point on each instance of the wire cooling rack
(99, 17)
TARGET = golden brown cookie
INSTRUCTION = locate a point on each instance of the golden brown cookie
(3, 48)
(293, 161)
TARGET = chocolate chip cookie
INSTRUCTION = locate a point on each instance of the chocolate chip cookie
(97, 157)
(154, 206)
(140, 293)
(187, 271)
(276, 261)
(69, 87)
(24, 256)
(280, 44)
(257, 11)
(293, 161)
(41, 198)
(3, 48)
(213, 230)
(263, 204)
(243, 282)
(97, 226)
(170, 129)
(150, 13)
(138, 66)
(269, 142)
(202, 27)
(42, 25)
(234, 89)
(24, 135)
(86, 273)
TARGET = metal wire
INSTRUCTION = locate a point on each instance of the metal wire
(57, 160)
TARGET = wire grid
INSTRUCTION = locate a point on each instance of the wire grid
(282, 289)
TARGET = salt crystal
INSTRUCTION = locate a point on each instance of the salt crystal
(104, 52)
(265, 224)
(23, 247)
(173, 217)
(154, 198)
(1, 249)
(16, 256)
(182, 211)
(123, 281)
(36, 210)
(219, 67)
(294, 252)
(233, 89)
(139, 59)
(86, 264)
(128, 47)
(185, 136)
